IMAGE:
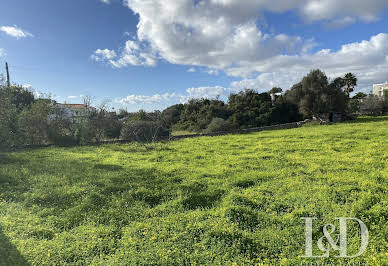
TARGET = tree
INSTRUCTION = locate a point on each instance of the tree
(360, 96)
(34, 122)
(171, 115)
(218, 125)
(275, 90)
(198, 113)
(19, 96)
(143, 131)
(8, 121)
(350, 82)
(315, 96)
(250, 108)
(356, 101)
(284, 112)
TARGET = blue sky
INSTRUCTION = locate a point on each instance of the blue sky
(152, 53)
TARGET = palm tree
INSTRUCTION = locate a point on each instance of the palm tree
(350, 82)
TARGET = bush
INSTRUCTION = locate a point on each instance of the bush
(143, 131)
(8, 123)
(218, 125)
(84, 133)
(34, 123)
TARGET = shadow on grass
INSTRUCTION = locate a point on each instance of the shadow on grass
(6, 159)
(368, 119)
(9, 255)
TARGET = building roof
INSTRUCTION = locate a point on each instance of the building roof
(75, 106)
(382, 84)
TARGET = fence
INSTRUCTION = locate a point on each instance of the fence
(242, 131)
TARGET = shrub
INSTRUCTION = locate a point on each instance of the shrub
(84, 133)
(143, 131)
(218, 125)
(8, 124)
(34, 123)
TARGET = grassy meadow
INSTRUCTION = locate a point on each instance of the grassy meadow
(235, 199)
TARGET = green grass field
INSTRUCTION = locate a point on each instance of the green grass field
(235, 199)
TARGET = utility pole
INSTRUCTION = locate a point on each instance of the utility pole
(6, 69)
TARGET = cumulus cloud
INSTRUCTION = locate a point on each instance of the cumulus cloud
(102, 55)
(367, 59)
(207, 92)
(105, 1)
(136, 54)
(15, 31)
(146, 99)
(316, 10)
(191, 70)
(221, 33)
(166, 99)
(224, 35)
(133, 53)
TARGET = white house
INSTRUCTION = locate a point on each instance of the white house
(76, 112)
(380, 90)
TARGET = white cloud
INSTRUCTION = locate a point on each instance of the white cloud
(133, 53)
(145, 99)
(38, 94)
(207, 92)
(223, 33)
(367, 59)
(27, 86)
(102, 55)
(166, 99)
(191, 70)
(72, 97)
(316, 10)
(340, 23)
(16, 32)
(105, 1)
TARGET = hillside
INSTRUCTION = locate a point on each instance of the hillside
(210, 200)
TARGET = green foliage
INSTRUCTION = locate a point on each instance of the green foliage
(350, 81)
(8, 124)
(171, 115)
(250, 109)
(275, 90)
(315, 96)
(34, 123)
(360, 95)
(219, 125)
(212, 200)
(284, 112)
(143, 131)
(20, 97)
(198, 113)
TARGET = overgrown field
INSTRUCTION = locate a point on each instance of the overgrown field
(211, 200)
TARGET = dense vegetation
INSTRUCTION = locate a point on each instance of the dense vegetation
(221, 200)
(25, 120)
